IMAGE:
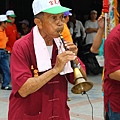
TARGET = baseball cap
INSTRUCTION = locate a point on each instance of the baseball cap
(10, 13)
(25, 22)
(93, 11)
(48, 6)
(67, 13)
(4, 18)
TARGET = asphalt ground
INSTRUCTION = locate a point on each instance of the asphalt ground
(88, 106)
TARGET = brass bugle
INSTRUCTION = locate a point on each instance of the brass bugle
(81, 85)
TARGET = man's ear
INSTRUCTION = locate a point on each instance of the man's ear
(38, 22)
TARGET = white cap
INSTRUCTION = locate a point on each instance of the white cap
(24, 22)
(4, 18)
(48, 6)
(10, 13)
(93, 11)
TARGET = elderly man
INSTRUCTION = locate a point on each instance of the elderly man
(43, 67)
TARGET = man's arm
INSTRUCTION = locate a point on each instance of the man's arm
(91, 30)
(88, 29)
(35, 83)
(115, 75)
(98, 37)
(97, 41)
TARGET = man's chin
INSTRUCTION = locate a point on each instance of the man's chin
(56, 35)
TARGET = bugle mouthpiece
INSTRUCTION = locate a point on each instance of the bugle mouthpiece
(60, 35)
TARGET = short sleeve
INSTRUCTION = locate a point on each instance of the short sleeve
(19, 66)
(86, 25)
(112, 55)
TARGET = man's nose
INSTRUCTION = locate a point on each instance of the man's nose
(60, 22)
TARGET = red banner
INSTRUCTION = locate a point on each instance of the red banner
(105, 6)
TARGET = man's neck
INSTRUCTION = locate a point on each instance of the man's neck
(93, 20)
(49, 42)
(48, 39)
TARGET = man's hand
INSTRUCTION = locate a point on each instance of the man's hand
(101, 21)
(71, 47)
(62, 59)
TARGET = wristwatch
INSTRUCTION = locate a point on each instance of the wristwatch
(78, 65)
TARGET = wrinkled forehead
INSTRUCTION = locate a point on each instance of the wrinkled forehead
(49, 15)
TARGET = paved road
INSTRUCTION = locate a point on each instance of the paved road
(80, 107)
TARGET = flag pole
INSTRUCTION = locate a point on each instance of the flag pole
(105, 10)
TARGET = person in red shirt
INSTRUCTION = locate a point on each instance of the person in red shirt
(97, 44)
(112, 74)
(41, 69)
(4, 64)
(11, 30)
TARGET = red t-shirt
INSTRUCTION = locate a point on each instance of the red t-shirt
(12, 34)
(112, 63)
(50, 101)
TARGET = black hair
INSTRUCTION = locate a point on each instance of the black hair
(39, 15)
(3, 22)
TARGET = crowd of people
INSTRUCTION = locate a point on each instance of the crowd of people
(43, 68)
(8, 35)
(83, 33)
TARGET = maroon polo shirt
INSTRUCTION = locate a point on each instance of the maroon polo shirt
(112, 63)
(50, 101)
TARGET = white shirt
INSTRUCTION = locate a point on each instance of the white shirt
(90, 36)
(79, 28)
(50, 48)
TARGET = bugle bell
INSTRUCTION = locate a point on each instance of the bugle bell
(81, 85)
